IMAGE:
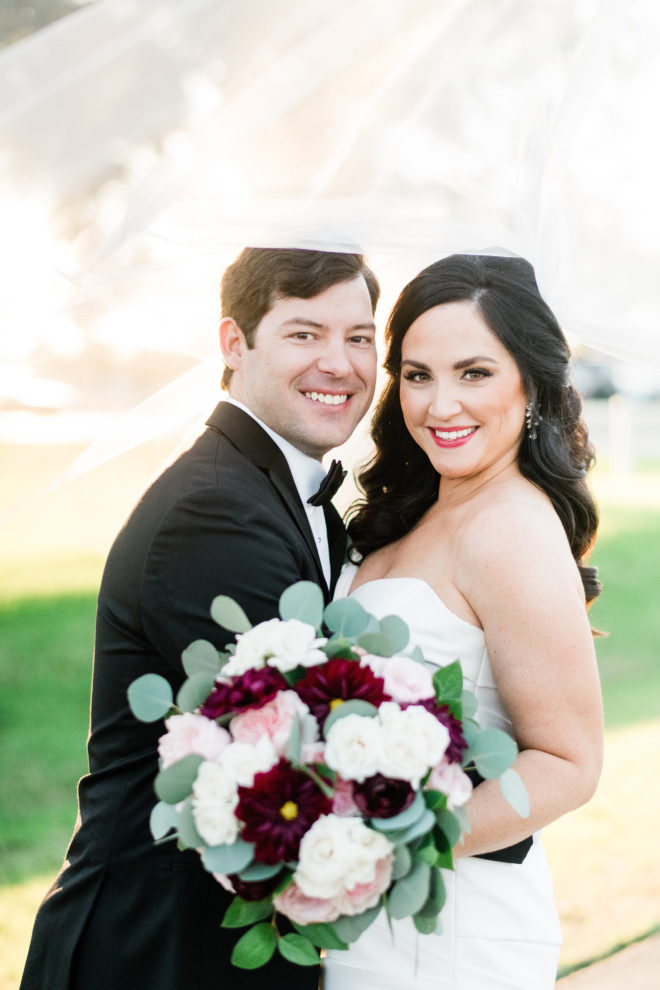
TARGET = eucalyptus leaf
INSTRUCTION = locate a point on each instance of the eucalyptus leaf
(303, 601)
(469, 703)
(175, 783)
(229, 614)
(404, 819)
(298, 950)
(195, 690)
(396, 630)
(339, 646)
(409, 894)
(256, 947)
(493, 752)
(322, 935)
(417, 655)
(470, 732)
(515, 792)
(354, 706)
(293, 742)
(402, 861)
(346, 618)
(241, 913)
(424, 824)
(150, 697)
(463, 819)
(256, 872)
(448, 683)
(186, 827)
(377, 643)
(163, 817)
(228, 859)
(201, 656)
(350, 928)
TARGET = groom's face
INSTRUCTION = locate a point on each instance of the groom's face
(311, 372)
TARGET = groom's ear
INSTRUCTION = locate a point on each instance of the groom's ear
(232, 342)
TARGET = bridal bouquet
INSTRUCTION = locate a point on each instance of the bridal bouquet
(319, 778)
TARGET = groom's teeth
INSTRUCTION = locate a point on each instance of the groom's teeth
(454, 434)
(326, 398)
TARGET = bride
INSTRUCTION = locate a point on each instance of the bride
(474, 527)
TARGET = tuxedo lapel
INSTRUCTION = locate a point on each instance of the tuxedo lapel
(247, 436)
(337, 542)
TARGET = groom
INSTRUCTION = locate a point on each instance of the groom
(231, 516)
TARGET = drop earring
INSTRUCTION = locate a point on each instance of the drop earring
(532, 419)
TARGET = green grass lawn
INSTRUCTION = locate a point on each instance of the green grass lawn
(47, 615)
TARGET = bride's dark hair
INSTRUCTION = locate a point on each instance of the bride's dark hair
(399, 483)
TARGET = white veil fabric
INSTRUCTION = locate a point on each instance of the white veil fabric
(160, 136)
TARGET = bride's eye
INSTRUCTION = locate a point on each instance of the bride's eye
(476, 374)
(416, 376)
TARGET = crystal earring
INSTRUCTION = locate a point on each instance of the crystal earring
(532, 419)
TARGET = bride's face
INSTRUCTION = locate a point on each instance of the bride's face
(461, 392)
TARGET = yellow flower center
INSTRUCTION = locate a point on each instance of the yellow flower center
(335, 703)
(289, 810)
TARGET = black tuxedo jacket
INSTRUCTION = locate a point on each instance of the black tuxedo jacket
(225, 518)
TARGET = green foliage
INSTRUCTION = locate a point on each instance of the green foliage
(404, 819)
(493, 751)
(350, 928)
(228, 859)
(298, 950)
(515, 792)
(346, 618)
(242, 913)
(354, 706)
(229, 614)
(448, 683)
(195, 690)
(256, 947)
(150, 697)
(324, 936)
(174, 784)
(396, 631)
(303, 601)
(201, 656)
(409, 894)
(163, 818)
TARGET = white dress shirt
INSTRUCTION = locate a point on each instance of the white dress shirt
(307, 475)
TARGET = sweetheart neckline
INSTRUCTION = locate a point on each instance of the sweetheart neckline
(428, 587)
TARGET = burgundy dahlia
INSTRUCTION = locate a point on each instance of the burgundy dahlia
(277, 810)
(382, 797)
(249, 690)
(254, 890)
(336, 681)
(457, 741)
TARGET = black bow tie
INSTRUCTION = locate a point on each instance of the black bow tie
(329, 486)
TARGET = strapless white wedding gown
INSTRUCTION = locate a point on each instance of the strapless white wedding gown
(500, 930)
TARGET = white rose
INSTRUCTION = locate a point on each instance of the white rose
(412, 741)
(191, 733)
(405, 679)
(295, 644)
(353, 747)
(324, 857)
(243, 760)
(252, 649)
(367, 848)
(452, 781)
(214, 798)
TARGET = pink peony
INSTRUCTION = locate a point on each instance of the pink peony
(405, 680)
(191, 733)
(450, 780)
(366, 895)
(274, 720)
(305, 910)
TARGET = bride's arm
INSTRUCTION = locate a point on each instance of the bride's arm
(517, 573)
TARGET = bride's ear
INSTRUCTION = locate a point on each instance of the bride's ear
(232, 342)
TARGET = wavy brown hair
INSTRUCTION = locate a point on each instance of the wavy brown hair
(399, 483)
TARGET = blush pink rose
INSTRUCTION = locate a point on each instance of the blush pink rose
(366, 895)
(191, 733)
(274, 720)
(342, 799)
(405, 680)
(305, 910)
(450, 780)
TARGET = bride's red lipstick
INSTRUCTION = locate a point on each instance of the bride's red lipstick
(456, 437)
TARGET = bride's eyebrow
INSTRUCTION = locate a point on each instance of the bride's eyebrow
(479, 359)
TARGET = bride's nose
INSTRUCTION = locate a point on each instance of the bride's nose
(444, 404)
